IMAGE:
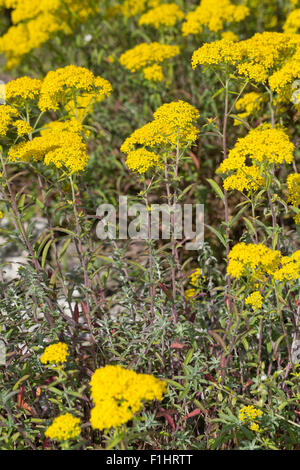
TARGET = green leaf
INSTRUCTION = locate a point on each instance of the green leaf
(216, 188)
(218, 235)
(189, 356)
(45, 252)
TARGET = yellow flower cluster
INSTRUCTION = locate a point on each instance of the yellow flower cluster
(22, 127)
(154, 73)
(35, 21)
(167, 14)
(190, 293)
(289, 269)
(214, 15)
(146, 55)
(250, 104)
(267, 56)
(245, 179)
(22, 89)
(255, 300)
(7, 114)
(253, 260)
(59, 144)
(293, 184)
(248, 414)
(281, 80)
(195, 276)
(9, 123)
(223, 51)
(141, 160)
(257, 262)
(229, 36)
(118, 394)
(265, 53)
(263, 144)
(292, 24)
(64, 427)
(194, 279)
(172, 125)
(56, 353)
(132, 7)
(61, 85)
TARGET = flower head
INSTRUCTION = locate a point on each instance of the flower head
(166, 14)
(56, 353)
(118, 394)
(173, 123)
(62, 85)
(64, 427)
(248, 414)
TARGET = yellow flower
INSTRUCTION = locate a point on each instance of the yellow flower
(132, 7)
(144, 55)
(154, 73)
(246, 179)
(22, 89)
(195, 276)
(255, 300)
(248, 414)
(293, 184)
(292, 23)
(36, 21)
(223, 51)
(56, 353)
(252, 259)
(254, 427)
(118, 394)
(59, 144)
(66, 83)
(229, 36)
(213, 15)
(7, 114)
(250, 104)
(64, 427)
(141, 160)
(23, 127)
(172, 123)
(263, 144)
(289, 269)
(190, 293)
(265, 57)
(166, 14)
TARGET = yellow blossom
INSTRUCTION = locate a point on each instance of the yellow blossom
(154, 73)
(22, 89)
(119, 393)
(23, 127)
(36, 21)
(64, 427)
(292, 23)
(213, 15)
(166, 14)
(172, 125)
(146, 55)
(56, 353)
(255, 300)
(141, 160)
(7, 114)
(60, 86)
(248, 414)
